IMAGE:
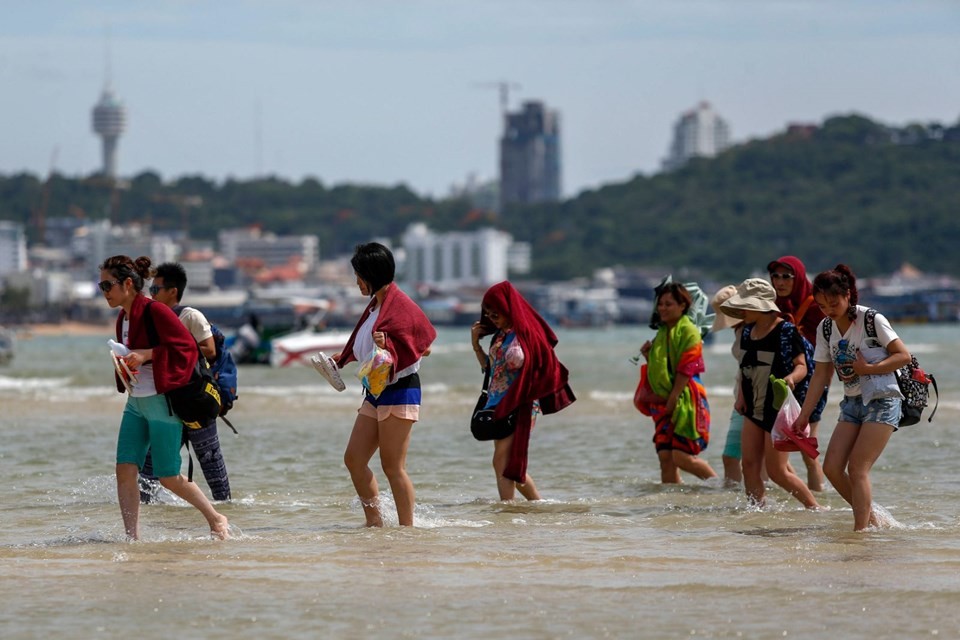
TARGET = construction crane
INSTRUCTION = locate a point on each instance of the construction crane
(40, 213)
(504, 87)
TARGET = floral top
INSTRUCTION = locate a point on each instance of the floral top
(506, 360)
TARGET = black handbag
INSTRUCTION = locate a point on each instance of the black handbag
(483, 425)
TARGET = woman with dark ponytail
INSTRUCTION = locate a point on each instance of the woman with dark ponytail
(864, 360)
(148, 422)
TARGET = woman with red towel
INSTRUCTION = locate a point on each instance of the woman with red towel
(394, 322)
(526, 379)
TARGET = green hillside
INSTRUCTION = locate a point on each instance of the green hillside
(850, 190)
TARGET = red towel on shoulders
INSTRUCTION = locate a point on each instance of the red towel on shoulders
(409, 332)
(175, 357)
(542, 376)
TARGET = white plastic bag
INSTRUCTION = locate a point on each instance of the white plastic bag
(785, 438)
(789, 412)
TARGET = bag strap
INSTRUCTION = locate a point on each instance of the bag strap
(802, 311)
(937, 402)
(869, 323)
(827, 329)
(229, 424)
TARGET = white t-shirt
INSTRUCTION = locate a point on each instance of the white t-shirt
(196, 323)
(145, 385)
(363, 346)
(363, 343)
(854, 340)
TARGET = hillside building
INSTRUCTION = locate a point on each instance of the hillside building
(700, 132)
(530, 156)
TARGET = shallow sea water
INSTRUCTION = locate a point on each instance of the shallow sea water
(610, 552)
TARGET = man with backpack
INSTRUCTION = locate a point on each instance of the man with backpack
(168, 287)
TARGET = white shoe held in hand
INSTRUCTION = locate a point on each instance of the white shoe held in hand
(326, 367)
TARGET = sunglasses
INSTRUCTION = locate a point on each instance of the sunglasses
(493, 315)
(106, 285)
(155, 289)
(782, 276)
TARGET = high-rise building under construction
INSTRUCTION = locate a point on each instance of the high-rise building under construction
(530, 156)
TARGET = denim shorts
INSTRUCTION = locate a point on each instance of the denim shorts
(882, 410)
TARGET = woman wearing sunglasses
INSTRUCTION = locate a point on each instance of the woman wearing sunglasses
(147, 420)
(788, 275)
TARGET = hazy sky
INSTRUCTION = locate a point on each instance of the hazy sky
(381, 92)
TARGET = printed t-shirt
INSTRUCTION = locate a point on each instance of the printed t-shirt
(854, 340)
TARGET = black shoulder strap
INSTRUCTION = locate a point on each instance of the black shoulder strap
(152, 335)
(827, 329)
(869, 323)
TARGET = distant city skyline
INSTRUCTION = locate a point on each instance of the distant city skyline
(404, 92)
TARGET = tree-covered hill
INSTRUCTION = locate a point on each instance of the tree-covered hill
(849, 190)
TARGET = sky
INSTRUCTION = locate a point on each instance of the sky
(389, 92)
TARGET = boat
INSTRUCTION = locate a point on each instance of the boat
(294, 349)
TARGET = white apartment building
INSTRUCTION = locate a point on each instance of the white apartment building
(13, 248)
(700, 132)
(460, 259)
(273, 250)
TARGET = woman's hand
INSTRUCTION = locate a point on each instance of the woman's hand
(800, 424)
(645, 349)
(476, 332)
(380, 339)
(138, 357)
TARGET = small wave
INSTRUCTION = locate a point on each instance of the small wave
(26, 384)
(609, 396)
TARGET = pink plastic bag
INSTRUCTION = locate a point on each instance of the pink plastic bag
(784, 438)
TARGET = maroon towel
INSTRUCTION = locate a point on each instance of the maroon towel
(409, 332)
(542, 377)
(800, 295)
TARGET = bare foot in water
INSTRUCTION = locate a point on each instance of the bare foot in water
(220, 530)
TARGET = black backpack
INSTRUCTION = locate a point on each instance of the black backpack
(913, 381)
(223, 369)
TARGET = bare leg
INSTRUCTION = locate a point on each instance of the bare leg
(778, 467)
(870, 444)
(505, 486)
(838, 453)
(190, 492)
(693, 464)
(364, 441)
(669, 472)
(394, 441)
(732, 471)
(751, 448)
(128, 494)
(814, 470)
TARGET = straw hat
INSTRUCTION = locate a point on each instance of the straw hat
(753, 294)
(721, 320)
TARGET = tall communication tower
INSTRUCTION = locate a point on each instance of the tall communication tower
(109, 121)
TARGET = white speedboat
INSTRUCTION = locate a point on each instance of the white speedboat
(297, 347)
